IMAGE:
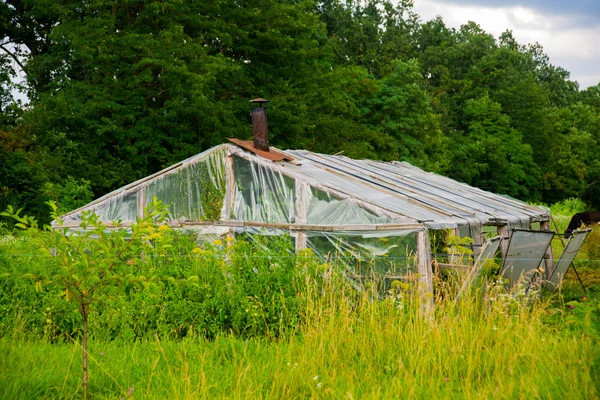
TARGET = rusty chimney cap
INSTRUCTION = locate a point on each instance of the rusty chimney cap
(259, 101)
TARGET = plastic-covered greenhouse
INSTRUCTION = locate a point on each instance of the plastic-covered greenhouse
(339, 207)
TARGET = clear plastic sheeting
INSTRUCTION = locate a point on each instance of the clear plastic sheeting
(262, 194)
(326, 209)
(121, 207)
(194, 192)
(390, 253)
(524, 255)
(365, 212)
(193, 188)
(436, 201)
(567, 257)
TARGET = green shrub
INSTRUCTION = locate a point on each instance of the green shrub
(245, 287)
(568, 207)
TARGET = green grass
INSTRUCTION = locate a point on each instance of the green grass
(344, 345)
(370, 350)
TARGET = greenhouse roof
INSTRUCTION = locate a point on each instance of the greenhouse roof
(338, 190)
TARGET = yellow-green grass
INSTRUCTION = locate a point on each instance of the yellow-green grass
(344, 350)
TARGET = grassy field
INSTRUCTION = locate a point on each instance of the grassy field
(369, 350)
(335, 343)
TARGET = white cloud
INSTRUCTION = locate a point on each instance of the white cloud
(568, 45)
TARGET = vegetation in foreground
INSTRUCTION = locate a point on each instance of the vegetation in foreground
(255, 321)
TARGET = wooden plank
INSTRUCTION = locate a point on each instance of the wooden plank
(272, 154)
(302, 189)
(453, 266)
(425, 272)
(141, 202)
(229, 188)
(548, 256)
(290, 227)
(505, 235)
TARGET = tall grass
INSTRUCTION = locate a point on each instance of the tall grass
(347, 346)
(266, 324)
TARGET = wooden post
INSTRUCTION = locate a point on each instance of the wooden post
(504, 234)
(548, 256)
(229, 188)
(424, 268)
(141, 202)
(302, 189)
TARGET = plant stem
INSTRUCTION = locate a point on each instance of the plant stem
(84, 315)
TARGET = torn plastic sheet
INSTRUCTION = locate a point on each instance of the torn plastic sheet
(325, 209)
(327, 183)
(362, 253)
(358, 252)
(180, 186)
(262, 194)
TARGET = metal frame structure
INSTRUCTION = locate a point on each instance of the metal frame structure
(318, 199)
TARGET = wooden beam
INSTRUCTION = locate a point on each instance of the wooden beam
(290, 227)
(425, 272)
(548, 256)
(229, 188)
(141, 202)
(302, 189)
(504, 233)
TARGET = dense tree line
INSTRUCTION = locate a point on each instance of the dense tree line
(119, 89)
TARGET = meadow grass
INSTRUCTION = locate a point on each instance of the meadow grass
(480, 348)
(344, 343)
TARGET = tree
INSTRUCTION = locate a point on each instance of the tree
(491, 155)
(402, 111)
(82, 263)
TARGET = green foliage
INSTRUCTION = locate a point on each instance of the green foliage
(70, 195)
(154, 281)
(491, 154)
(591, 245)
(121, 90)
(475, 349)
(568, 207)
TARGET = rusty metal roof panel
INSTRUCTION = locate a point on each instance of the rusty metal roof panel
(272, 154)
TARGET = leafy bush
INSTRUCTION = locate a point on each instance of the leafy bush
(190, 287)
(70, 194)
(568, 207)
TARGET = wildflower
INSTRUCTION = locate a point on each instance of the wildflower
(571, 306)
(154, 236)
(315, 377)
(198, 250)
(230, 239)
(217, 242)
(164, 228)
(583, 298)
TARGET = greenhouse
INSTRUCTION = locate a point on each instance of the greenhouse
(371, 215)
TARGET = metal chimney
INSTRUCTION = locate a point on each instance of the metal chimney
(260, 129)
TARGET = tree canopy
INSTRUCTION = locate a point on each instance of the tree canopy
(120, 89)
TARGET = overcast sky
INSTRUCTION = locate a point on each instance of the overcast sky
(568, 30)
